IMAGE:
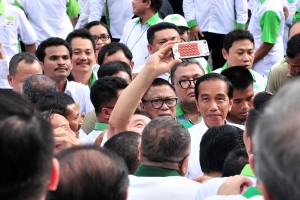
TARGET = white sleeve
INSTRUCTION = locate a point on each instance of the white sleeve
(241, 9)
(189, 9)
(96, 9)
(3, 74)
(25, 30)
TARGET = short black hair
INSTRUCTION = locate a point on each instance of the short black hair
(125, 144)
(56, 102)
(215, 145)
(50, 42)
(159, 82)
(90, 173)
(235, 162)
(251, 121)
(89, 25)
(111, 68)
(37, 86)
(213, 76)
(184, 63)
(110, 49)
(240, 77)
(159, 27)
(26, 148)
(165, 140)
(155, 4)
(236, 35)
(104, 92)
(293, 46)
(261, 100)
(17, 58)
(81, 33)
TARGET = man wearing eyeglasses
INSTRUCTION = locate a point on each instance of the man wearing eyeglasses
(160, 99)
(184, 76)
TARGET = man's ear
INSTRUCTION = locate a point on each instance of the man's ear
(150, 48)
(183, 166)
(225, 54)
(9, 79)
(197, 105)
(230, 104)
(148, 3)
(131, 64)
(105, 113)
(54, 175)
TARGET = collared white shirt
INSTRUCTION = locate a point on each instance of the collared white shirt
(275, 55)
(81, 94)
(14, 24)
(196, 132)
(162, 188)
(215, 16)
(49, 18)
(118, 14)
(135, 38)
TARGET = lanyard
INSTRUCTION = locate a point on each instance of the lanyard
(138, 38)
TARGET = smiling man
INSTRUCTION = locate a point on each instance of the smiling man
(55, 54)
(84, 56)
(184, 76)
(213, 93)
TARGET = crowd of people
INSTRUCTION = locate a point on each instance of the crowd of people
(93, 105)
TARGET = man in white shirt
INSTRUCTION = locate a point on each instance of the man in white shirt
(135, 32)
(118, 13)
(50, 18)
(213, 93)
(212, 19)
(55, 54)
(14, 26)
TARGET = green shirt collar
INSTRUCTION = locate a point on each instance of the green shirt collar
(101, 126)
(147, 171)
(247, 171)
(262, 1)
(152, 20)
(1, 7)
(251, 71)
(92, 80)
(251, 192)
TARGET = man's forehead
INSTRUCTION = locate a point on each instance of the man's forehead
(57, 50)
(188, 70)
(213, 86)
(165, 33)
(236, 44)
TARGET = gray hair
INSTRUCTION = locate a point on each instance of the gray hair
(37, 86)
(276, 144)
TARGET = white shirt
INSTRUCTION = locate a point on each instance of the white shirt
(210, 188)
(48, 18)
(197, 131)
(215, 16)
(162, 188)
(81, 94)
(135, 37)
(275, 55)
(84, 13)
(234, 197)
(91, 137)
(119, 13)
(13, 23)
(3, 74)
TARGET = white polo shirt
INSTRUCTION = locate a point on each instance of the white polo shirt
(266, 25)
(162, 188)
(50, 18)
(135, 37)
(81, 94)
(196, 132)
(216, 16)
(13, 23)
(118, 14)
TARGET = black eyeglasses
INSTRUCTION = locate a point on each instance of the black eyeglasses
(102, 37)
(158, 103)
(185, 84)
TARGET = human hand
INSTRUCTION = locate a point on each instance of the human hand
(234, 185)
(285, 12)
(195, 32)
(64, 139)
(162, 61)
(1, 52)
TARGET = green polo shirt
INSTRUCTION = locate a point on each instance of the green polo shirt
(182, 118)
(100, 126)
(147, 171)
